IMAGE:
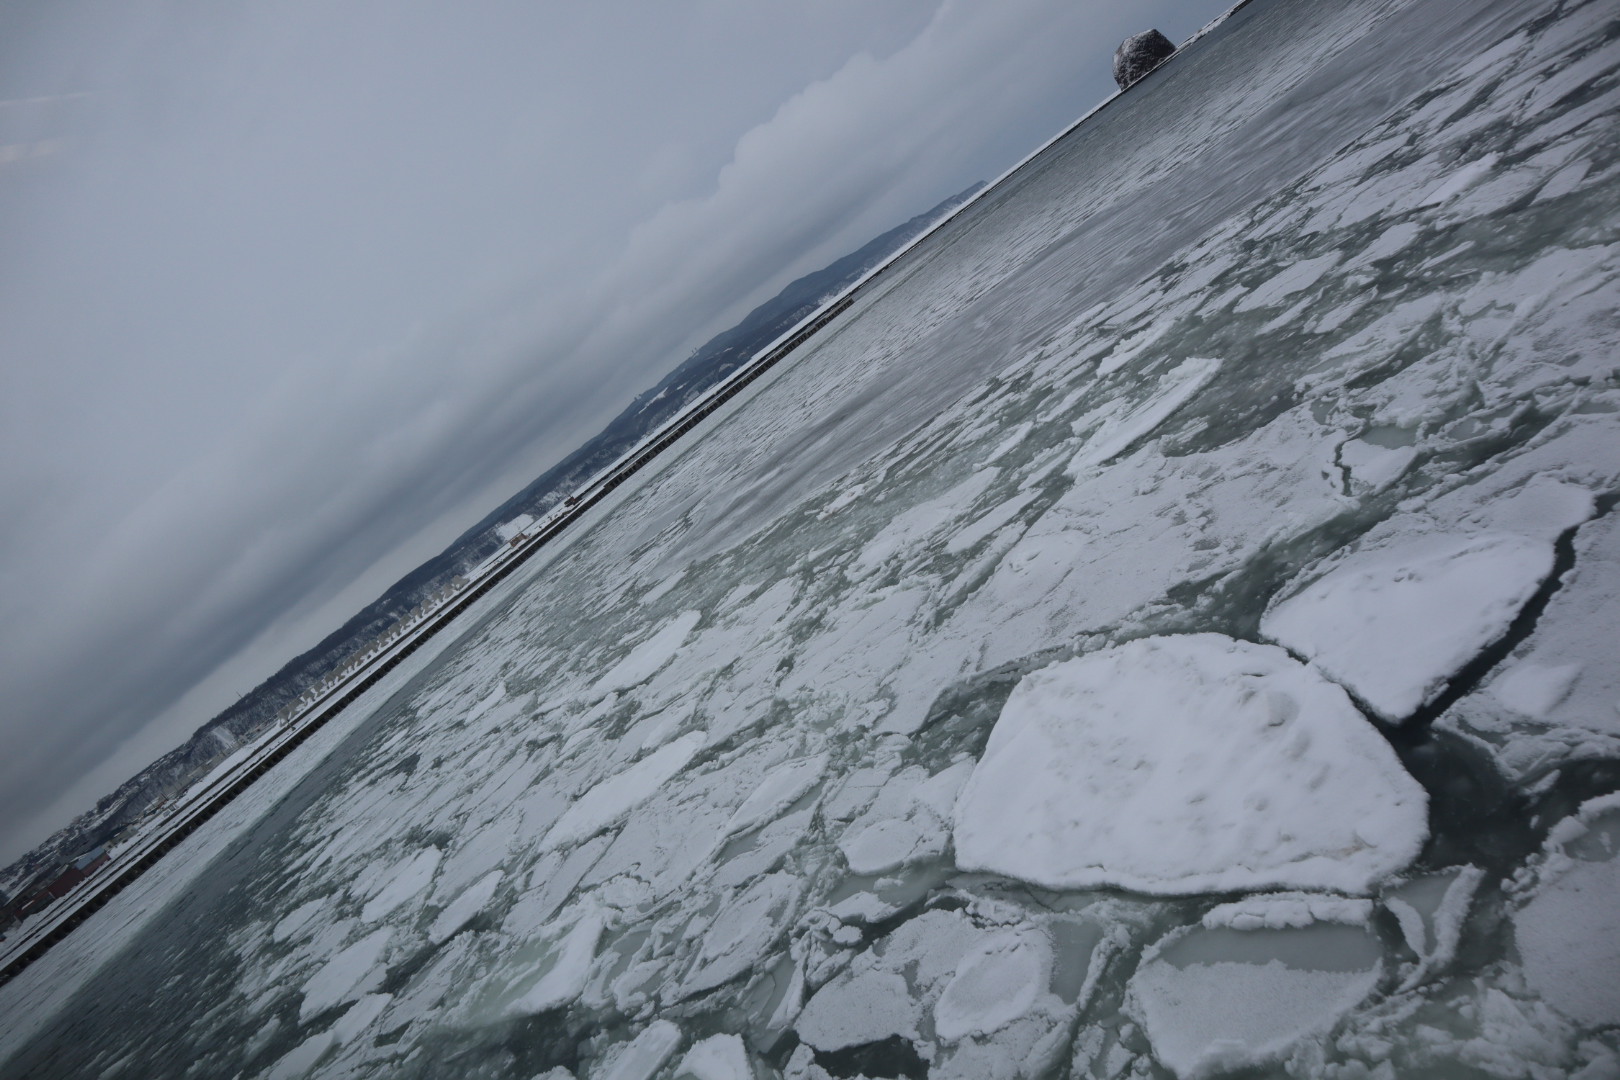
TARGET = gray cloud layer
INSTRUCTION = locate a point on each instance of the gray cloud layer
(293, 292)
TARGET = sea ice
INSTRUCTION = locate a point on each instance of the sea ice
(859, 1007)
(1430, 911)
(719, 1057)
(463, 908)
(1557, 698)
(618, 795)
(645, 660)
(1187, 764)
(562, 982)
(1568, 930)
(1297, 278)
(360, 1016)
(410, 878)
(1534, 690)
(644, 1055)
(302, 1058)
(778, 789)
(995, 983)
(1116, 434)
(1217, 998)
(342, 977)
(1374, 467)
(1394, 624)
(741, 932)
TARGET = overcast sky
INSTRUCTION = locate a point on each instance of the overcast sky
(294, 291)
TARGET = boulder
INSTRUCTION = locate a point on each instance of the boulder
(1139, 54)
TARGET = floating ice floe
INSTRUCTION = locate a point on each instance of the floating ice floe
(1116, 433)
(346, 975)
(1369, 466)
(570, 964)
(1557, 697)
(1187, 764)
(995, 983)
(1430, 911)
(1568, 924)
(618, 795)
(778, 789)
(741, 932)
(360, 1016)
(719, 1057)
(1245, 987)
(411, 877)
(464, 908)
(646, 659)
(642, 1056)
(972, 994)
(1395, 624)
(908, 824)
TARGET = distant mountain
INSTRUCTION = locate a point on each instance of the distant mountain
(708, 365)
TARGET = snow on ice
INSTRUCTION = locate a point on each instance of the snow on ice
(1187, 764)
(1568, 927)
(1394, 625)
(1217, 999)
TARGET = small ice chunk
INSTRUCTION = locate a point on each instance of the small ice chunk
(1394, 624)
(1281, 911)
(1375, 467)
(998, 981)
(719, 1057)
(1569, 930)
(339, 979)
(1460, 180)
(779, 789)
(646, 659)
(1295, 278)
(1175, 389)
(301, 1059)
(1188, 764)
(1220, 999)
(1535, 690)
(409, 878)
(858, 1008)
(887, 845)
(616, 796)
(563, 981)
(461, 910)
(1430, 912)
(644, 1055)
(360, 1016)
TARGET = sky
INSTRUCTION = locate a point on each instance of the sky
(292, 292)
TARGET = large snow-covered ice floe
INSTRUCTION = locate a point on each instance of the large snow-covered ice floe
(1253, 980)
(1187, 764)
(1395, 624)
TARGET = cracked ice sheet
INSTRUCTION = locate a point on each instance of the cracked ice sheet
(1217, 999)
(1557, 697)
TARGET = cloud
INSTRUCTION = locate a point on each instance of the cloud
(308, 290)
